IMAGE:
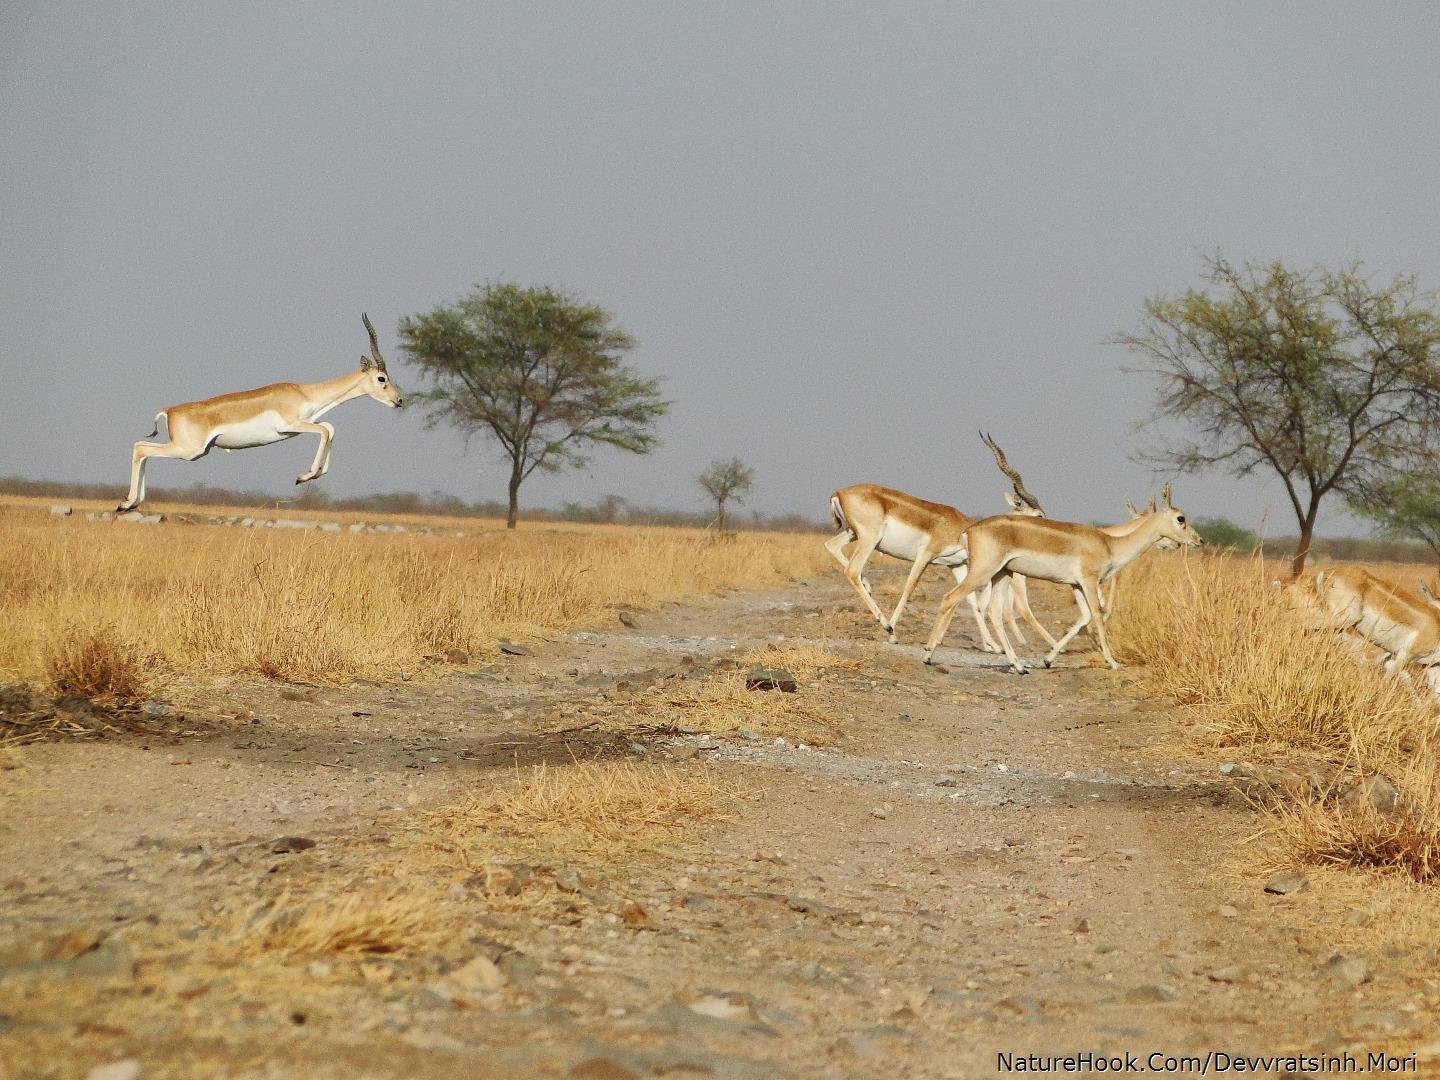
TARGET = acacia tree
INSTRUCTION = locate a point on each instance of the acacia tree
(537, 370)
(1319, 376)
(726, 480)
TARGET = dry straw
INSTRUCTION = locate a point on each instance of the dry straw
(607, 809)
(1215, 634)
(357, 923)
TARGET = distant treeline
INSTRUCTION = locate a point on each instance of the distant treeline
(1225, 533)
(609, 509)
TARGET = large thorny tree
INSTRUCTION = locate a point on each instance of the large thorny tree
(537, 370)
(1328, 381)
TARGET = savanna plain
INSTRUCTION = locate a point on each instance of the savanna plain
(616, 802)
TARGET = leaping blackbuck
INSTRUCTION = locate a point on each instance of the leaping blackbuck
(260, 417)
(920, 532)
(1403, 626)
(1067, 553)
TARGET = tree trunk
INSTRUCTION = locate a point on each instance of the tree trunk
(1302, 549)
(720, 513)
(514, 511)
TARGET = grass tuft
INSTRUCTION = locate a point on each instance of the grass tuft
(609, 809)
(96, 662)
(349, 924)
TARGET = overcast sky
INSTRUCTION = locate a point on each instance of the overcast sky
(846, 235)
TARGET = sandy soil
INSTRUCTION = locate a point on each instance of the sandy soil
(981, 863)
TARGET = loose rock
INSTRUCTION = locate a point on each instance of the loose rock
(128, 1069)
(1373, 791)
(763, 678)
(1347, 971)
(602, 1068)
(1287, 882)
(288, 845)
(479, 973)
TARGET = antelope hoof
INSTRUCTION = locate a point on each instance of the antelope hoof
(303, 479)
(125, 508)
(1020, 669)
(930, 657)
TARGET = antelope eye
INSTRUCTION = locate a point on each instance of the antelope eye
(1181, 519)
(380, 379)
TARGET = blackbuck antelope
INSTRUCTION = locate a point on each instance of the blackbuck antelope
(1403, 626)
(1081, 556)
(260, 417)
(922, 533)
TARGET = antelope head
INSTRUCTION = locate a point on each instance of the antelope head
(1174, 526)
(1021, 501)
(377, 380)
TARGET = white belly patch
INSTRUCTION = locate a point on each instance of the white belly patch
(901, 541)
(259, 430)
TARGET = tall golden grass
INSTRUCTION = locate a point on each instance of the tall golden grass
(326, 607)
(1213, 633)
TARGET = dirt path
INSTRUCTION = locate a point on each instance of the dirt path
(981, 863)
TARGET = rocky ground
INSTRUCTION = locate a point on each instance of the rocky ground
(977, 863)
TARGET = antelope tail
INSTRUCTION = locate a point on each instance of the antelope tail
(158, 417)
(837, 513)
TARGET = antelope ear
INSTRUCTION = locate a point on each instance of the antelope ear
(1013, 501)
(1165, 492)
(364, 362)
(1150, 507)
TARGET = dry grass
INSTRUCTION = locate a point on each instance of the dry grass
(100, 604)
(1214, 635)
(721, 703)
(97, 662)
(357, 923)
(804, 659)
(612, 809)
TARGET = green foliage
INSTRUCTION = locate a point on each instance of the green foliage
(1407, 509)
(1222, 532)
(1328, 381)
(537, 370)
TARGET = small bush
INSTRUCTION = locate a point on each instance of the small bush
(95, 661)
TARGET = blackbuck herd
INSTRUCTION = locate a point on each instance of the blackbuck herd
(992, 557)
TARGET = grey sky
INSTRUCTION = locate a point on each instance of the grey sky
(847, 235)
